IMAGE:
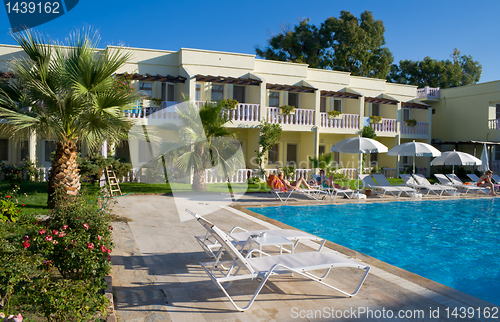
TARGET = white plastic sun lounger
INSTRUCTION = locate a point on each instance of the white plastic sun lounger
(456, 181)
(495, 178)
(368, 181)
(473, 177)
(243, 268)
(334, 192)
(382, 181)
(458, 184)
(316, 194)
(240, 237)
(437, 189)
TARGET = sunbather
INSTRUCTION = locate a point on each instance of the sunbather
(294, 185)
(485, 181)
(327, 182)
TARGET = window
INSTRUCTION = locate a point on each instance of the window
(146, 88)
(239, 93)
(497, 111)
(274, 99)
(49, 147)
(405, 160)
(322, 104)
(167, 92)
(497, 153)
(375, 109)
(291, 154)
(337, 105)
(4, 149)
(373, 159)
(273, 154)
(24, 149)
(122, 151)
(198, 92)
(293, 99)
(321, 150)
(406, 114)
(217, 92)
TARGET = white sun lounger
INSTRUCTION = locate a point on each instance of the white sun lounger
(495, 178)
(458, 184)
(473, 177)
(244, 268)
(240, 237)
(456, 181)
(334, 192)
(368, 181)
(437, 189)
(382, 181)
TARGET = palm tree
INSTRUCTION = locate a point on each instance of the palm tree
(67, 92)
(209, 143)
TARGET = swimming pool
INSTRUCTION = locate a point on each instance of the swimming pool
(453, 242)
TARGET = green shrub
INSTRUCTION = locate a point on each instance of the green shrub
(253, 180)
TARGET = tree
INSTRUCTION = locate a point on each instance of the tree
(208, 144)
(269, 135)
(66, 91)
(461, 70)
(345, 44)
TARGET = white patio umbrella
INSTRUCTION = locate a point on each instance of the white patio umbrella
(359, 145)
(414, 149)
(454, 158)
(484, 158)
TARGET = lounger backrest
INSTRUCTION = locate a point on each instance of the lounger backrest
(381, 180)
(442, 178)
(421, 180)
(473, 177)
(408, 179)
(454, 179)
(225, 241)
(496, 178)
(367, 180)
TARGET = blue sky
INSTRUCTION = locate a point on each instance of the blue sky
(413, 29)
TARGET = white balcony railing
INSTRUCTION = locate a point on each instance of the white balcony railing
(348, 121)
(244, 113)
(419, 129)
(494, 124)
(301, 116)
(428, 92)
(387, 125)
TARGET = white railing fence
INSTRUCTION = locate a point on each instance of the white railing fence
(387, 125)
(244, 112)
(419, 129)
(301, 116)
(494, 124)
(430, 92)
(347, 121)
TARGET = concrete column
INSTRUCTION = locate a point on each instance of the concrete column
(104, 149)
(263, 100)
(429, 140)
(361, 111)
(32, 147)
(400, 118)
(317, 115)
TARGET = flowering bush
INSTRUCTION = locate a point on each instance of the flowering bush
(65, 258)
(12, 173)
(9, 206)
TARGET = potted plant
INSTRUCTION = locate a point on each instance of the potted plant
(411, 122)
(334, 114)
(375, 119)
(157, 101)
(368, 192)
(287, 110)
(229, 103)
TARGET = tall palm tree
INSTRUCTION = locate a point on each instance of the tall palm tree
(209, 143)
(66, 91)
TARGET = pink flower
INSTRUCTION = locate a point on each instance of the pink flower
(26, 238)
(90, 246)
(26, 244)
(62, 234)
(108, 258)
(86, 226)
(103, 248)
(64, 227)
(108, 250)
(23, 205)
(54, 242)
(111, 227)
(99, 237)
(41, 231)
(55, 232)
(48, 238)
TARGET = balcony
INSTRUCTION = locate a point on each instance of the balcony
(347, 121)
(301, 117)
(494, 124)
(387, 125)
(428, 93)
(419, 129)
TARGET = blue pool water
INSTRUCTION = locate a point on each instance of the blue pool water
(453, 242)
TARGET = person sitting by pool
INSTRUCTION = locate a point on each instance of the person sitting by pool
(275, 183)
(485, 181)
(295, 185)
(327, 182)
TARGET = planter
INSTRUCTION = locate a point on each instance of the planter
(376, 119)
(368, 192)
(333, 117)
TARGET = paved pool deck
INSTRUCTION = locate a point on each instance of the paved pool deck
(157, 275)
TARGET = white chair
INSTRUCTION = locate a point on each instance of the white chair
(283, 195)
(382, 181)
(240, 237)
(473, 177)
(368, 181)
(332, 191)
(244, 268)
(445, 180)
(423, 183)
(469, 187)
